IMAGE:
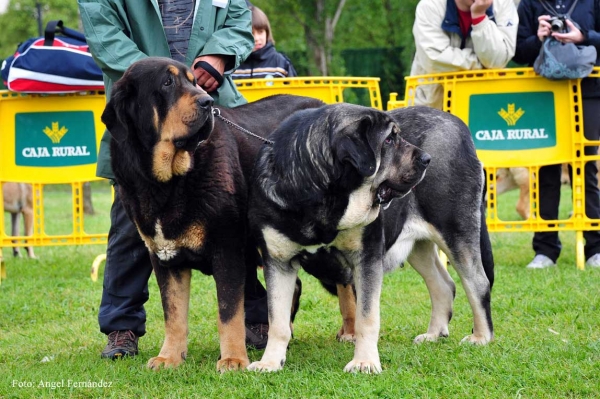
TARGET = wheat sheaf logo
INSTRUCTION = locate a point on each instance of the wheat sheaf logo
(511, 116)
(56, 133)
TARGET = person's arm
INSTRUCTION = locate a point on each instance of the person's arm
(227, 47)
(290, 68)
(434, 44)
(495, 42)
(233, 42)
(104, 24)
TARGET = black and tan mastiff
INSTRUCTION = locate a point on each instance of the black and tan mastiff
(183, 175)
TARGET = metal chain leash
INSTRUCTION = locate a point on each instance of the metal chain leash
(217, 113)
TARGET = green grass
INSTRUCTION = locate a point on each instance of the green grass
(547, 335)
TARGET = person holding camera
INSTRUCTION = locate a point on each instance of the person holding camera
(580, 27)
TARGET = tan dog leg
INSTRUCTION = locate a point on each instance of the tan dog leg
(521, 178)
(347, 301)
(233, 347)
(174, 287)
(18, 198)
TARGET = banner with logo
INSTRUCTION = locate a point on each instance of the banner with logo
(51, 139)
(513, 121)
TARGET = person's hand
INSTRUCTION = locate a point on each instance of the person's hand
(573, 35)
(544, 28)
(479, 6)
(204, 79)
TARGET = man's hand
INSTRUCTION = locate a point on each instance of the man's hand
(544, 28)
(204, 79)
(479, 6)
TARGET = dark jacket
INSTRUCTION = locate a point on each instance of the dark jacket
(265, 63)
(585, 14)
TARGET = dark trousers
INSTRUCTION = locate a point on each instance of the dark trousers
(126, 274)
(548, 243)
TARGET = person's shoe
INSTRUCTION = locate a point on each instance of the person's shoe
(120, 344)
(593, 261)
(256, 335)
(541, 262)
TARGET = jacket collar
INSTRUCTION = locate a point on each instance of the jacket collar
(263, 53)
(451, 23)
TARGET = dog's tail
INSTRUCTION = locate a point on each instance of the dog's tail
(485, 245)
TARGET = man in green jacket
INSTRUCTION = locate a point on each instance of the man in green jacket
(218, 35)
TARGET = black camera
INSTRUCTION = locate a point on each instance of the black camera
(558, 24)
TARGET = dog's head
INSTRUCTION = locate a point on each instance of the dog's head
(371, 142)
(157, 110)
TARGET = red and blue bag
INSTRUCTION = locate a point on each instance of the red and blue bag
(52, 64)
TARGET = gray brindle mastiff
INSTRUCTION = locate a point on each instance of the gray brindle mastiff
(343, 194)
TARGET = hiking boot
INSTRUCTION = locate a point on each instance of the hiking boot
(593, 261)
(256, 335)
(541, 262)
(120, 344)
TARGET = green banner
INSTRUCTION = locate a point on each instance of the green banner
(50, 139)
(512, 121)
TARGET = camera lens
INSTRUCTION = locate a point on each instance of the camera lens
(557, 25)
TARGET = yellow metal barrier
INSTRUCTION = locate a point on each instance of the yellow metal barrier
(45, 140)
(518, 119)
(328, 89)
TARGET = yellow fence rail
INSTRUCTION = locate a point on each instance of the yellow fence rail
(518, 119)
(328, 89)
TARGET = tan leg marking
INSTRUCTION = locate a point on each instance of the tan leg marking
(174, 349)
(232, 337)
(347, 302)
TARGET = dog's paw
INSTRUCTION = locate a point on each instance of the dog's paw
(419, 339)
(266, 367)
(158, 362)
(476, 340)
(346, 337)
(363, 366)
(232, 364)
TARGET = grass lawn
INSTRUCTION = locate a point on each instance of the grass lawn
(547, 334)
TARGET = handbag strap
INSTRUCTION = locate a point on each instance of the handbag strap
(553, 11)
(53, 27)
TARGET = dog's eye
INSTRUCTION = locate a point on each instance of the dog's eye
(391, 138)
(169, 81)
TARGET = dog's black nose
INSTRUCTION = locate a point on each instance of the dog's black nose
(205, 101)
(424, 159)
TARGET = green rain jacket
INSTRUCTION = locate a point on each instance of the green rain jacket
(120, 32)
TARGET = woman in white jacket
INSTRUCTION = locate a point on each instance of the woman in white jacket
(460, 35)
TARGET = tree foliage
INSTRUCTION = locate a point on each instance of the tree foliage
(19, 22)
(316, 32)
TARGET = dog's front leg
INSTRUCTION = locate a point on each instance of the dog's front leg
(174, 285)
(229, 274)
(368, 278)
(281, 282)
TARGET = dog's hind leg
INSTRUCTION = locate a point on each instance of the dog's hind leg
(425, 260)
(468, 263)
(347, 300)
(28, 216)
(14, 219)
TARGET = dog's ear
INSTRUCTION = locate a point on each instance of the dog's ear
(351, 143)
(116, 115)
